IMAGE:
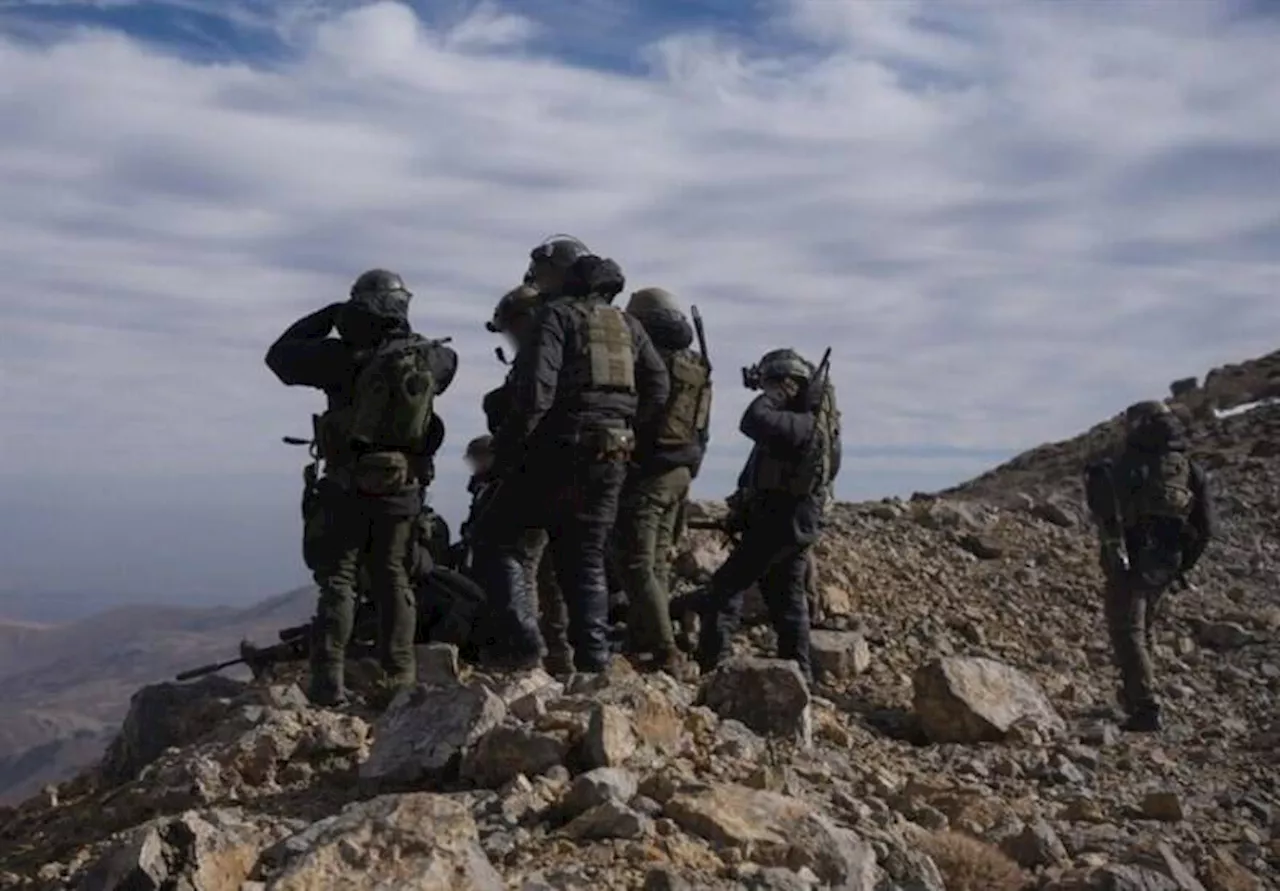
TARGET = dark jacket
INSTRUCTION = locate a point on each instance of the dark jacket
(780, 431)
(496, 404)
(306, 356)
(671, 333)
(551, 405)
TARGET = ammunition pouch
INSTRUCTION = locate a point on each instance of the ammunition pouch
(318, 496)
(607, 444)
(1155, 566)
(381, 473)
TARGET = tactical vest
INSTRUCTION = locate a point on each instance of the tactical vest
(387, 423)
(811, 473)
(1156, 486)
(688, 410)
(607, 347)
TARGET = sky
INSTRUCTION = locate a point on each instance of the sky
(1007, 218)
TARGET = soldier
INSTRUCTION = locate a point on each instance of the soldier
(513, 317)
(1155, 519)
(782, 496)
(588, 376)
(376, 440)
(668, 455)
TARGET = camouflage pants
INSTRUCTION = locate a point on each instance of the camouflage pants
(553, 613)
(643, 536)
(1130, 609)
(381, 544)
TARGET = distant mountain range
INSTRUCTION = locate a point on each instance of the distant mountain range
(64, 687)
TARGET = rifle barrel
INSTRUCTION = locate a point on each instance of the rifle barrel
(702, 335)
(203, 670)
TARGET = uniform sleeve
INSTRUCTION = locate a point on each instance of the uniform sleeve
(773, 426)
(653, 383)
(497, 405)
(535, 376)
(306, 356)
(1203, 522)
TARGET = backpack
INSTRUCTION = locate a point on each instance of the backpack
(822, 463)
(688, 411)
(1156, 485)
(387, 425)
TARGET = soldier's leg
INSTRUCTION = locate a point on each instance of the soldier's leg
(1126, 620)
(721, 611)
(817, 613)
(553, 613)
(578, 549)
(390, 539)
(643, 533)
(668, 539)
(786, 596)
(337, 560)
(510, 635)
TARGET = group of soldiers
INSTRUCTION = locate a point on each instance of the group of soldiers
(595, 437)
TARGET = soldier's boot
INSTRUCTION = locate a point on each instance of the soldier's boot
(1144, 720)
(558, 662)
(674, 663)
(325, 688)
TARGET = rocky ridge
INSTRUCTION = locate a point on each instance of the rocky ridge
(960, 737)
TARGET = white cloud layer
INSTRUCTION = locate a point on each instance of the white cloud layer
(1007, 219)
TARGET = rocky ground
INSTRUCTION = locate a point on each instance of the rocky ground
(961, 736)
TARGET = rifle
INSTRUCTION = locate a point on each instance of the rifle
(294, 645)
(702, 335)
(818, 382)
(718, 524)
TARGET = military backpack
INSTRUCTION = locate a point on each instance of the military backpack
(386, 429)
(1156, 486)
(688, 411)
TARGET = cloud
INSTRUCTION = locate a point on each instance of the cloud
(1006, 220)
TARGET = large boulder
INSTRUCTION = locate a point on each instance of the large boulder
(507, 752)
(196, 851)
(426, 731)
(417, 842)
(776, 830)
(969, 700)
(163, 716)
(768, 695)
(263, 752)
(839, 655)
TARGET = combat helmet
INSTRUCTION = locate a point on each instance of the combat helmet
(1141, 412)
(557, 252)
(516, 303)
(382, 293)
(783, 363)
(652, 301)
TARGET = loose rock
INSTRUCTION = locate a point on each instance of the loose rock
(968, 700)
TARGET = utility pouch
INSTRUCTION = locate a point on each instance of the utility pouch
(609, 444)
(317, 498)
(381, 473)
